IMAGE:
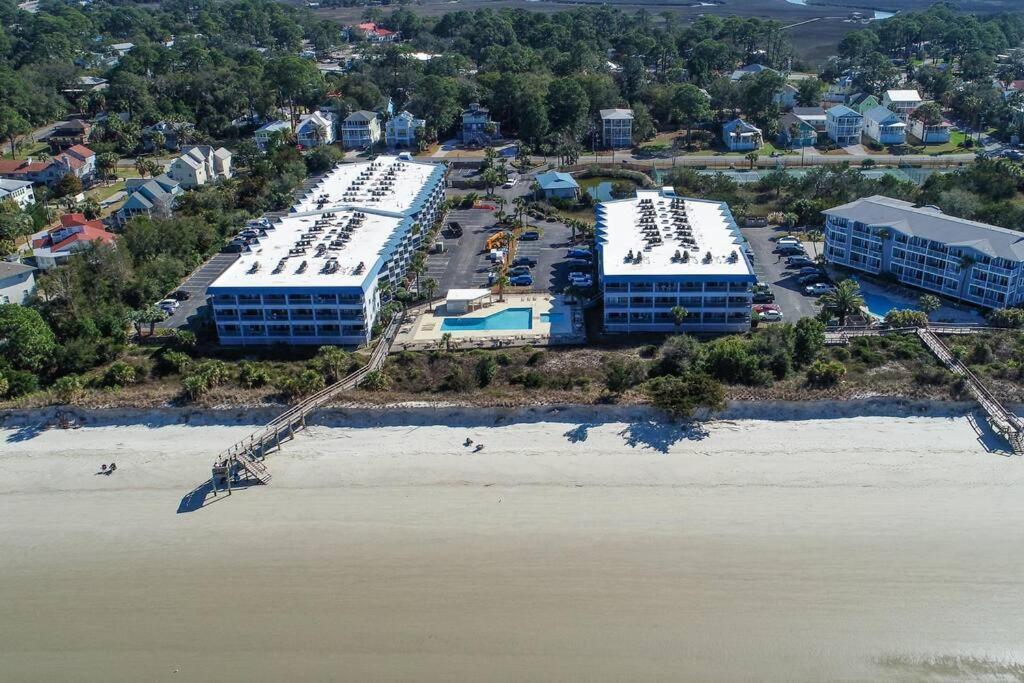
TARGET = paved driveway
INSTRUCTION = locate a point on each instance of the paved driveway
(192, 309)
(771, 269)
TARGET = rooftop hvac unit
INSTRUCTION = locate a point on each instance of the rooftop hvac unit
(254, 268)
(302, 268)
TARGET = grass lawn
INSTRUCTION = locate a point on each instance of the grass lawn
(954, 146)
(33, 150)
(102, 192)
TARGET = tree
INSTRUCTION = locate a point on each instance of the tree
(568, 106)
(486, 369)
(332, 362)
(418, 265)
(965, 264)
(691, 106)
(620, 376)
(490, 179)
(808, 340)
(643, 124)
(809, 91)
(844, 300)
(106, 163)
(68, 186)
(929, 303)
(679, 397)
(430, 285)
(679, 316)
(12, 125)
(26, 341)
(752, 157)
(814, 237)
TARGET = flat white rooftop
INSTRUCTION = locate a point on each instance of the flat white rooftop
(657, 233)
(337, 233)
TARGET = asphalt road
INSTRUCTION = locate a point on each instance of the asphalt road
(196, 284)
(770, 268)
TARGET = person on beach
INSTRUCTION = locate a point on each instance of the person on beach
(469, 442)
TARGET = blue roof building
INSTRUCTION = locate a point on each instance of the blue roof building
(554, 184)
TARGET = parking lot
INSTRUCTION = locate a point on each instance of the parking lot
(464, 262)
(196, 286)
(770, 268)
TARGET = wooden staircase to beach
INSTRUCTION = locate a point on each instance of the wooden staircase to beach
(1002, 420)
(249, 454)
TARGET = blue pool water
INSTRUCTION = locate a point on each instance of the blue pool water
(880, 304)
(552, 317)
(509, 319)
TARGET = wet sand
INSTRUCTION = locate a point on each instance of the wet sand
(844, 549)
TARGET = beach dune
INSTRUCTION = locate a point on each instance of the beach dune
(857, 548)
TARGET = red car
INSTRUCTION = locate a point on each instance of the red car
(761, 308)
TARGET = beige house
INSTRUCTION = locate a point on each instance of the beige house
(200, 164)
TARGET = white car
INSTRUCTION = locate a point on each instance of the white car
(511, 182)
(817, 289)
(771, 315)
(168, 306)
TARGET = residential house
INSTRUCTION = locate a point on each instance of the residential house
(843, 125)
(373, 33)
(884, 127)
(154, 198)
(361, 130)
(200, 164)
(937, 134)
(400, 130)
(18, 191)
(17, 282)
(922, 247)
(316, 129)
(795, 133)
(556, 185)
(91, 83)
(171, 132)
(28, 170)
(68, 134)
(122, 49)
(862, 103)
(840, 90)
(617, 128)
(902, 102)
(477, 126)
(815, 116)
(263, 134)
(55, 246)
(749, 70)
(740, 136)
(785, 97)
(77, 160)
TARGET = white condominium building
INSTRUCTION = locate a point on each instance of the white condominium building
(658, 251)
(315, 278)
(923, 247)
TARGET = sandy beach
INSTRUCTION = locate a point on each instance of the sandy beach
(853, 548)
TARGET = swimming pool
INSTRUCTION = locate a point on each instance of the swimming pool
(552, 317)
(509, 319)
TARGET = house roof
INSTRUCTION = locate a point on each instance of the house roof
(748, 70)
(73, 124)
(555, 180)
(903, 95)
(881, 114)
(74, 228)
(274, 125)
(7, 185)
(80, 151)
(842, 110)
(20, 166)
(931, 223)
(791, 119)
(616, 113)
(361, 116)
(12, 268)
(741, 126)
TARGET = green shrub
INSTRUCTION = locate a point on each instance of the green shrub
(680, 396)
(1007, 317)
(195, 386)
(981, 354)
(68, 388)
(620, 376)
(185, 339)
(456, 380)
(825, 373)
(486, 369)
(906, 318)
(808, 340)
(175, 362)
(332, 362)
(252, 375)
(120, 374)
(536, 358)
(377, 380)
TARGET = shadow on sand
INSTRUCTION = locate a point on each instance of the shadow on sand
(991, 440)
(200, 497)
(661, 436)
(26, 433)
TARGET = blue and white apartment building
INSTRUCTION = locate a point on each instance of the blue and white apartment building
(315, 278)
(657, 251)
(922, 247)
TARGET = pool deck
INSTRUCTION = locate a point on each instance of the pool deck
(424, 330)
(901, 297)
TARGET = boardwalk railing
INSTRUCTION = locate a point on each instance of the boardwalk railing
(248, 454)
(1002, 420)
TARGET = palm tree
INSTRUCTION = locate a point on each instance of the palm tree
(500, 213)
(752, 157)
(106, 162)
(430, 285)
(503, 282)
(142, 166)
(815, 236)
(679, 316)
(844, 300)
(520, 208)
(418, 266)
(966, 261)
(445, 341)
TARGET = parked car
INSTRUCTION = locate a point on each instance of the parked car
(811, 278)
(181, 295)
(808, 270)
(817, 289)
(521, 281)
(579, 262)
(519, 270)
(524, 261)
(799, 261)
(771, 315)
(761, 308)
(511, 182)
(582, 283)
(788, 239)
(577, 252)
(167, 305)
(530, 236)
(580, 268)
(790, 251)
(574, 277)
(454, 229)
(234, 247)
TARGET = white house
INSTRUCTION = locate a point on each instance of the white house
(902, 102)
(17, 191)
(361, 129)
(740, 136)
(17, 282)
(937, 134)
(200, 164)
(316, 129)
(884, 127)
(843, 125)
(263, 134)
(785, 97)
(401, 128)
(617, 127)
(749, 70)
(840, 89)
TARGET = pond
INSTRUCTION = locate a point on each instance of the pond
(600, 187)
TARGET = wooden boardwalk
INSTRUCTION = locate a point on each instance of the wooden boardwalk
(248, 455)
(1002, 420)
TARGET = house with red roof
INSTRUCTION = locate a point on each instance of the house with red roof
(373, 33)
(78, 160)
(55, 246)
